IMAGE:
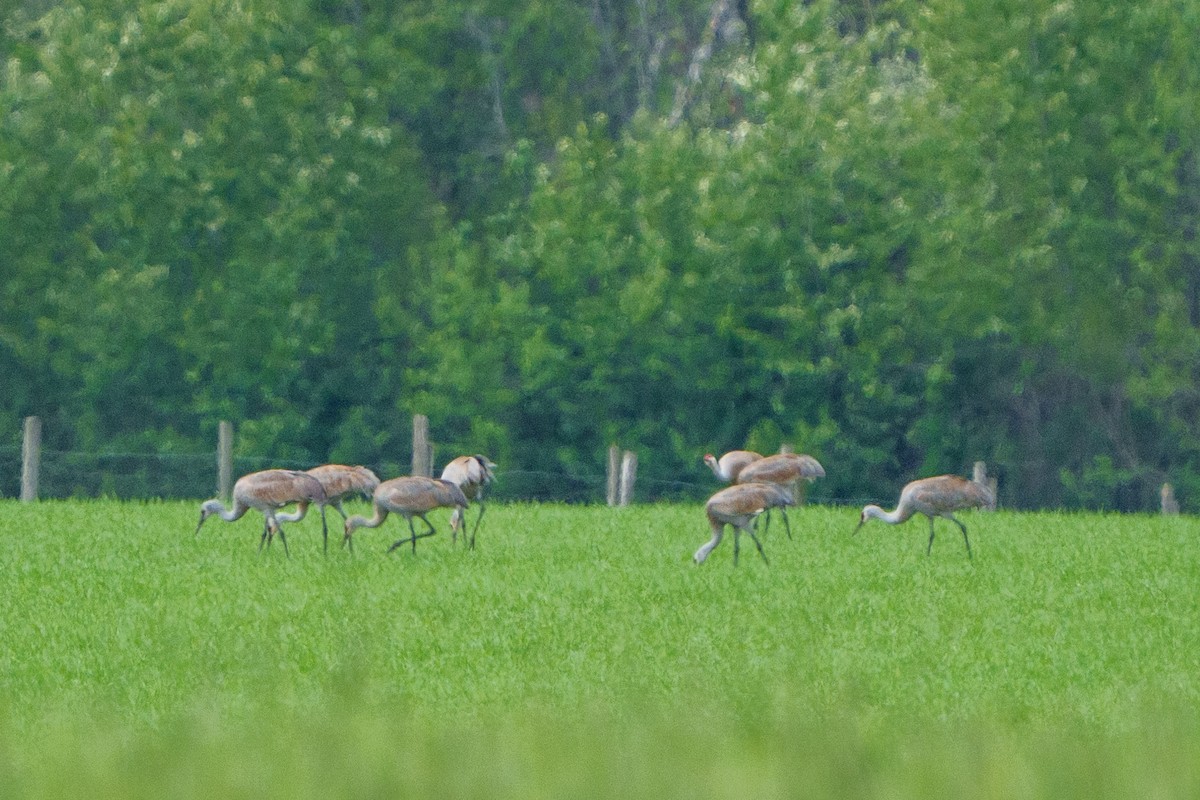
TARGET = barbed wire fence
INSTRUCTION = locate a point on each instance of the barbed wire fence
(192, 476)
(63, 474)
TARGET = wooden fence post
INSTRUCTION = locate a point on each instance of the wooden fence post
(614, 474)
(31, 459)
(628, 476)
(1169, 504)
(224, 459)
(422, 458)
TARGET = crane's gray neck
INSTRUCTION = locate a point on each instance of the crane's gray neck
(362, 522)
(295, 516)
(229, 515)
(890, 517)
(715, 466)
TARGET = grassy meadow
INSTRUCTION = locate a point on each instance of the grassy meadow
(578, 652)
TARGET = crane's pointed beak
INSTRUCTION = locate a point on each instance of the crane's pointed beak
(858, 527)
(201, 522)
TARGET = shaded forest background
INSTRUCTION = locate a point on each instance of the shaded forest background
(900, 236)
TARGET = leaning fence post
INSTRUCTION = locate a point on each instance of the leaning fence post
(628, 476)
(224, 459)
(614, 474)
(1169, 504)
(31, 459)
(422, 457)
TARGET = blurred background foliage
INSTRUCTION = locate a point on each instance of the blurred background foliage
(899, 235)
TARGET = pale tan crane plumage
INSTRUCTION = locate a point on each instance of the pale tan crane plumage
(739, 505)
(411, 496)
(729, 466)
(267, 492)
(784, 469)
(472, 474)
(339, 482)
(934, 497)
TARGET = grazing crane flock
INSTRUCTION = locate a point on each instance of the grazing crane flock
(757, 484)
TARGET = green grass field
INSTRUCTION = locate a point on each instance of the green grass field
(578, 652)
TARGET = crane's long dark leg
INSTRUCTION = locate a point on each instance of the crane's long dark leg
(413, 538)
(478, 520)
(347, 540)
(929, 547)
(265, 537)
(430, 532)
(787, 526)
(737, 532)
(758, 544)
(283, 539)
(964, 530)
(324, 533)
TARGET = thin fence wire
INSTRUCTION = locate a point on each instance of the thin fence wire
(193, 476)
(190, 476)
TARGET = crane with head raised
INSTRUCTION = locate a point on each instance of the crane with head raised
(934, 497)
(266, 491)
(472, 474)
(339, 482)
(729, 466)
(739, 505)
(410, 496)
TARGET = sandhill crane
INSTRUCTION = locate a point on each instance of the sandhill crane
(728, 466)
(266, 491)
(409, 497)
(784, 469)
(934, 497)
(339, 482)
(472, 474)
(739, 505)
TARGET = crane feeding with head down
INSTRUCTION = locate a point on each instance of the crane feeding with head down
(934, 497)
(412, 496)
(739, 505)
(266, 491)
(339, 482)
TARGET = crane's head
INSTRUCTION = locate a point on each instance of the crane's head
(207, 509)
(488, 466)
(867, 513)
(711, 460)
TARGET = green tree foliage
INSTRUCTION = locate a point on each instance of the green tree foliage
(901, 236)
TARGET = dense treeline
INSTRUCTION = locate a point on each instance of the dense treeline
(901, 236)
